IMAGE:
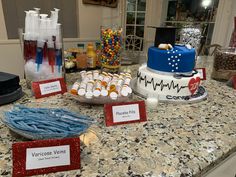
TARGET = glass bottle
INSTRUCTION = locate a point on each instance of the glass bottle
(98, 52)
(81, 58)
(91, 56)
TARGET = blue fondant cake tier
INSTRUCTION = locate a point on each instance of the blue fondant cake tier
(179, 59)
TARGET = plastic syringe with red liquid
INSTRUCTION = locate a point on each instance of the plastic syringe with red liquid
(30, 35)
(51, 32)
(41, 43)
(51, 55)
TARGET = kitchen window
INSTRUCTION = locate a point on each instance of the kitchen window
(135, 23)
(194, 13)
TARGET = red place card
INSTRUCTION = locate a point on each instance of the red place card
(234, 82)
(124, 113)
(45, 156)
(49, 87)
(202, 72)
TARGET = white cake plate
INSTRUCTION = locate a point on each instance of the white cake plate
(199, 96)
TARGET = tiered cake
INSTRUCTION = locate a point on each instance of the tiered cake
(169, 71)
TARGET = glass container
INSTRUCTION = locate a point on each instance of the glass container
(81, 58)
(191, 35)
(224, 66)
(91, 56)
(43, 58)
(111, 48)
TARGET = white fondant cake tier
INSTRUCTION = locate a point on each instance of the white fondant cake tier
(160, 84)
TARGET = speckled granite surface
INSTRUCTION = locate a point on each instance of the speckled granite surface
(177, 140)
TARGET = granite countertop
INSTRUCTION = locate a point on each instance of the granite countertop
(177, 140)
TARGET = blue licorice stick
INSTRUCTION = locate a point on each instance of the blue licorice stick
(51, 128)
(60, 125)
(75, 128)
(44, 128)
(73, 117)
(53, 123)
(21, 127)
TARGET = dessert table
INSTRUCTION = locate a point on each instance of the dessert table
(178, 140)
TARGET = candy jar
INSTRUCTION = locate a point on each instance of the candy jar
(224, 65)
(110, 48)
(191, 35)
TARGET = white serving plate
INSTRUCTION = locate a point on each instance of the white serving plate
(101, 99)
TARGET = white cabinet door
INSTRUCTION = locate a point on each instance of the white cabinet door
(226, 169)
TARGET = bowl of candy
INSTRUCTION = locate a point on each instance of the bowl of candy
(96, 87)
(45, 123)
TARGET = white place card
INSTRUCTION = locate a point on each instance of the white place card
(125, 113)
(202, 72)
(50, 87)
(47, 157)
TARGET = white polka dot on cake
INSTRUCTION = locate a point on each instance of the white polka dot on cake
(178, 60)
(172, 70)
(180, 54)
(176, 64)
(168, 52)
(176, 56)
(176, 50)
(173, 65)
(172, 56)
(173, 60)
(173, 51)
(169, 59)
(176, 68)
(169, 63)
